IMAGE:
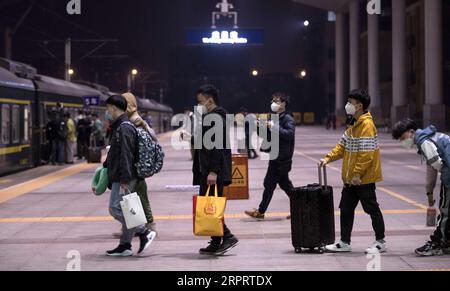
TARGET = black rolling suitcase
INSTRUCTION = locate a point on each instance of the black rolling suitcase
(94, 155)
(312, 216)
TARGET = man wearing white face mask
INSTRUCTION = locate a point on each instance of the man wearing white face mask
(435, 148)
(278, 170)
(361, 170)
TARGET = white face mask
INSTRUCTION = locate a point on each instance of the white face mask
(275, 107)
(408, 143)
(201, 109)
(350, 109)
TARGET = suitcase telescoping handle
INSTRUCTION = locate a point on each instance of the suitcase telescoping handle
(325, 179)
(92, 141)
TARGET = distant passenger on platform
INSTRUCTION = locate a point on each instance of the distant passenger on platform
(71, 138)
(190, 115)
(251, 152)
(51, 130)
(97, 131)
(58, 130)
(141, 186)
(122, 174)
(435, 148)
(83, 135)
(279, 168)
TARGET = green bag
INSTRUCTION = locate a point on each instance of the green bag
(100, 181)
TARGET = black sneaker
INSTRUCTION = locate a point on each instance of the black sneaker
(146, 240)
(446, 248)
(211, 249)
(228, 244)
(430, 249)
(120, 251)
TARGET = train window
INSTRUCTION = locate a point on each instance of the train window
(6, 134)
(26, 123)
(15, 124)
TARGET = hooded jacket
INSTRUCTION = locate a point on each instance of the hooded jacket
(361, 152)
(432, 145)
(216, 160)
(135, 118)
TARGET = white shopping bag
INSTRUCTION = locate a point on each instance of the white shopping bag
(133, 211)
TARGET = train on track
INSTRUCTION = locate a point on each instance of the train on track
(25, 99)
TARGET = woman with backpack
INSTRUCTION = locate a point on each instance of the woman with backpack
(141, 187)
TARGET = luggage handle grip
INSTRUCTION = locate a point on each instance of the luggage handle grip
(92, 141)
(325, 178)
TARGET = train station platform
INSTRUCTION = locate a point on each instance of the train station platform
(49, 214)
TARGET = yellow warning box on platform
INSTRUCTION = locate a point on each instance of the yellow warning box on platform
(239, 174)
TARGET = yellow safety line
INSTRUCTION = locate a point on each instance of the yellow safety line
(403, 165)
(178, 217)
(401, 197)
(26, 187)
(383, 189)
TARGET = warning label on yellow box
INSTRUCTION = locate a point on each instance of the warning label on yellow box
(239, 176)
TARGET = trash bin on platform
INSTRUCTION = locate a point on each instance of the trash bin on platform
(238, 190)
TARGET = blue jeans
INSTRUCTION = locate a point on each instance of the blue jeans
(116, 211)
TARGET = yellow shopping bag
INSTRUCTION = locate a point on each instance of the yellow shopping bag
(209, 213)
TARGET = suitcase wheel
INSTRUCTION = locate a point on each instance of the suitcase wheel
(298, 250)
(321, 250)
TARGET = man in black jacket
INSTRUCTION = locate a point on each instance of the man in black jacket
(122, 174)
(212, 163)
(279, 168)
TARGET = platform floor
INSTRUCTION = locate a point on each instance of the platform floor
(51, 213)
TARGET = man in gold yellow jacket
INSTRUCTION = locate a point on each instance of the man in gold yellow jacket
(361, 169)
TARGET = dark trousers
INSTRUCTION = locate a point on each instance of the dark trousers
(273, 177)
(442, 232)
(57, 154)
(82, 148)
(250, 149)
(351, 196)
(141, 190)
(226, 230)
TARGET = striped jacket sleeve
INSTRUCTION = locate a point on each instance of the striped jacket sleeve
(338, 152)
(366, 145)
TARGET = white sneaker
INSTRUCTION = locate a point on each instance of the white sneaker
(339, 247)
(146, 240)
(377, 247)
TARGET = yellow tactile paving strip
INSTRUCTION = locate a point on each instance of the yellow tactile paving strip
(29, 186)
(176, 217)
